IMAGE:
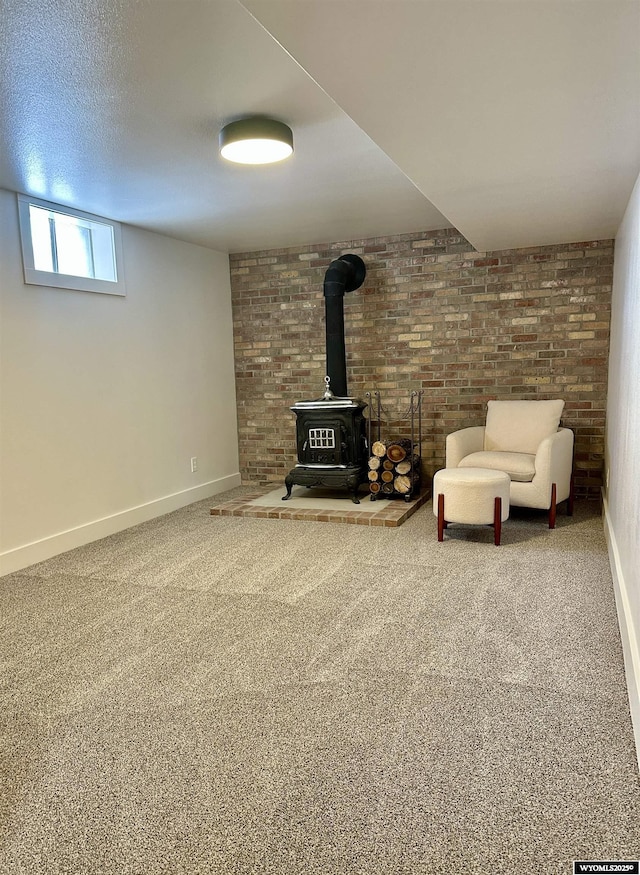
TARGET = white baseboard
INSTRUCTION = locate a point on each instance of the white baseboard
(628, 632)
(38, 551)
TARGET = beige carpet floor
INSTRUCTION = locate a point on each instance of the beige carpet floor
(206, 694)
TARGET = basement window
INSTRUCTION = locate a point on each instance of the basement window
(69, 249)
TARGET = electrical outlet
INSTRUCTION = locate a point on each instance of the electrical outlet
(194, 464)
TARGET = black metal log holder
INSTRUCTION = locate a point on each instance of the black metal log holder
(413, 413)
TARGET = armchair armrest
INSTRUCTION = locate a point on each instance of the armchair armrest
(463, 442)
(554, 463)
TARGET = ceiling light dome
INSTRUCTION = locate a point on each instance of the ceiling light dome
(256, 141)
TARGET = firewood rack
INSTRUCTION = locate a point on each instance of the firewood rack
(394, 464)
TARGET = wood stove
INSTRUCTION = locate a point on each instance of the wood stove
(330, 432)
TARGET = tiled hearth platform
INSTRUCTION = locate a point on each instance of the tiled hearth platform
(321, 505)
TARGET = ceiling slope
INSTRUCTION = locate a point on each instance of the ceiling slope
(520, 121)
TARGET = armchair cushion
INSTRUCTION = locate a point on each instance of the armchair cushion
(519, 466)
(520, 426)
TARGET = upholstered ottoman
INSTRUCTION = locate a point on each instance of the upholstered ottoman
(475, 496)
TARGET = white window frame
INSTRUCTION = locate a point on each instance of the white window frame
(32, 276)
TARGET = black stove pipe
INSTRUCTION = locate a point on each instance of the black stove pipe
(345, 274)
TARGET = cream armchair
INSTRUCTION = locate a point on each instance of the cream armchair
(523, 439)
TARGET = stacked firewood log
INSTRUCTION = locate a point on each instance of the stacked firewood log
(394, 469)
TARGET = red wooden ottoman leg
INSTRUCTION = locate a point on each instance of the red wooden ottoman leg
(497, 520)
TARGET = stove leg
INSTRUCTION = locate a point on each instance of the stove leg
(353, 483)
(288, 482)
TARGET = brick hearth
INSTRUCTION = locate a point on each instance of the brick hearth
(389, 513)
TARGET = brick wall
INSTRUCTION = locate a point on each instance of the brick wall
(432, 314)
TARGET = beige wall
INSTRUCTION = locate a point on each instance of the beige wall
(622, 459)
(104, 400)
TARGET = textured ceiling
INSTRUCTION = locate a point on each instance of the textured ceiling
(115, 108)
(519, 120)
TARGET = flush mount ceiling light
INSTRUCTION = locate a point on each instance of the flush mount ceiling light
(256, 141)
